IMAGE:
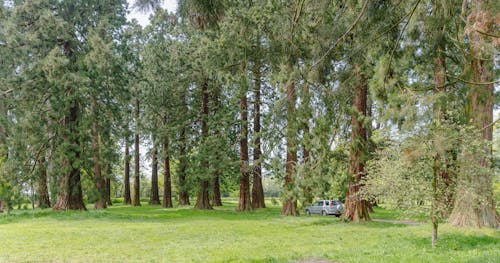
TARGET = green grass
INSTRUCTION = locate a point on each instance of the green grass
(379, 212)
(153, 234)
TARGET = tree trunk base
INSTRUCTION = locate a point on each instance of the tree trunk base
(465, 214)
(289, 208)
(184, 199)
(167, 203)
(203, 201)
(355, 209)
(64, 203)
(100, 205)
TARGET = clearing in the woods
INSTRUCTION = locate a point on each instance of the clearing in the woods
(152, 234)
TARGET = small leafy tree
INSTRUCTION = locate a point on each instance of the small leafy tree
(402, 173)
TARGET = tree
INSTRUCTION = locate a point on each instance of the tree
(127, 200)
(136, 201)
(476, 207)
(244, 202)
(356, 207)
(257, 188)
(154, 198)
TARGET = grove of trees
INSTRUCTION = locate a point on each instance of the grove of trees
(365, 101)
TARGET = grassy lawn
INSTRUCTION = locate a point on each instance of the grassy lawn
(153, 234)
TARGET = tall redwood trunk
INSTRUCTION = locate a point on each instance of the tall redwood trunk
(3, 135)
(257, 189)
(108, 188)
(356, 207)
(126, 180)
(43, 190)
(167, 184)
(183, 191)
(216, 196)
(306, 141)
(475, 207)
(154, 198)
(290, 203)
(203, 200)
(70, 195)
(136, 201)
(244, 202)
(99, 183)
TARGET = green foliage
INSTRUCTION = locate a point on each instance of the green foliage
(401, 174)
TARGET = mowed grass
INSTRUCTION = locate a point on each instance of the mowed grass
(152, 234)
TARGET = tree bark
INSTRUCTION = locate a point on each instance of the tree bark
(290, 203)
(126, 181)
(136, 201)
(306, 141)
(244, 202)
(257, 189)
(476, 207)
(43, 191)
(70, 195)
(183, 192)
(216, 196)
(3, 135)
(99, 183)
(108, 190)
(356, 208)
(154, 198)
(203, 200)
(167, 185)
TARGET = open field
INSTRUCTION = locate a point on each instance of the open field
(153, 234)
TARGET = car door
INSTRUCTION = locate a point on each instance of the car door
(318, 207)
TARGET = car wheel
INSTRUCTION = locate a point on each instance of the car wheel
(308, 212)
(323, 213)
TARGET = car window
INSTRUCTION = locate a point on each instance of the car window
(319, 203)
(327, 202)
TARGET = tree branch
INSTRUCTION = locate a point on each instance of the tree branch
(363, 10)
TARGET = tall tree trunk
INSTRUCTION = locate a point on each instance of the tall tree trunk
(183, 192)
(244, 202)
(43, 190)
(257, 189)
(3, 136)
(306, 141)
(476, 206)
(108, 188)
(167, 184)
(126, 181)
(290, 202)
(99, 183)
(136, 201)
(356, 207)
(154, 198)
(70, 195)
(216, 196)
(203, 200)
